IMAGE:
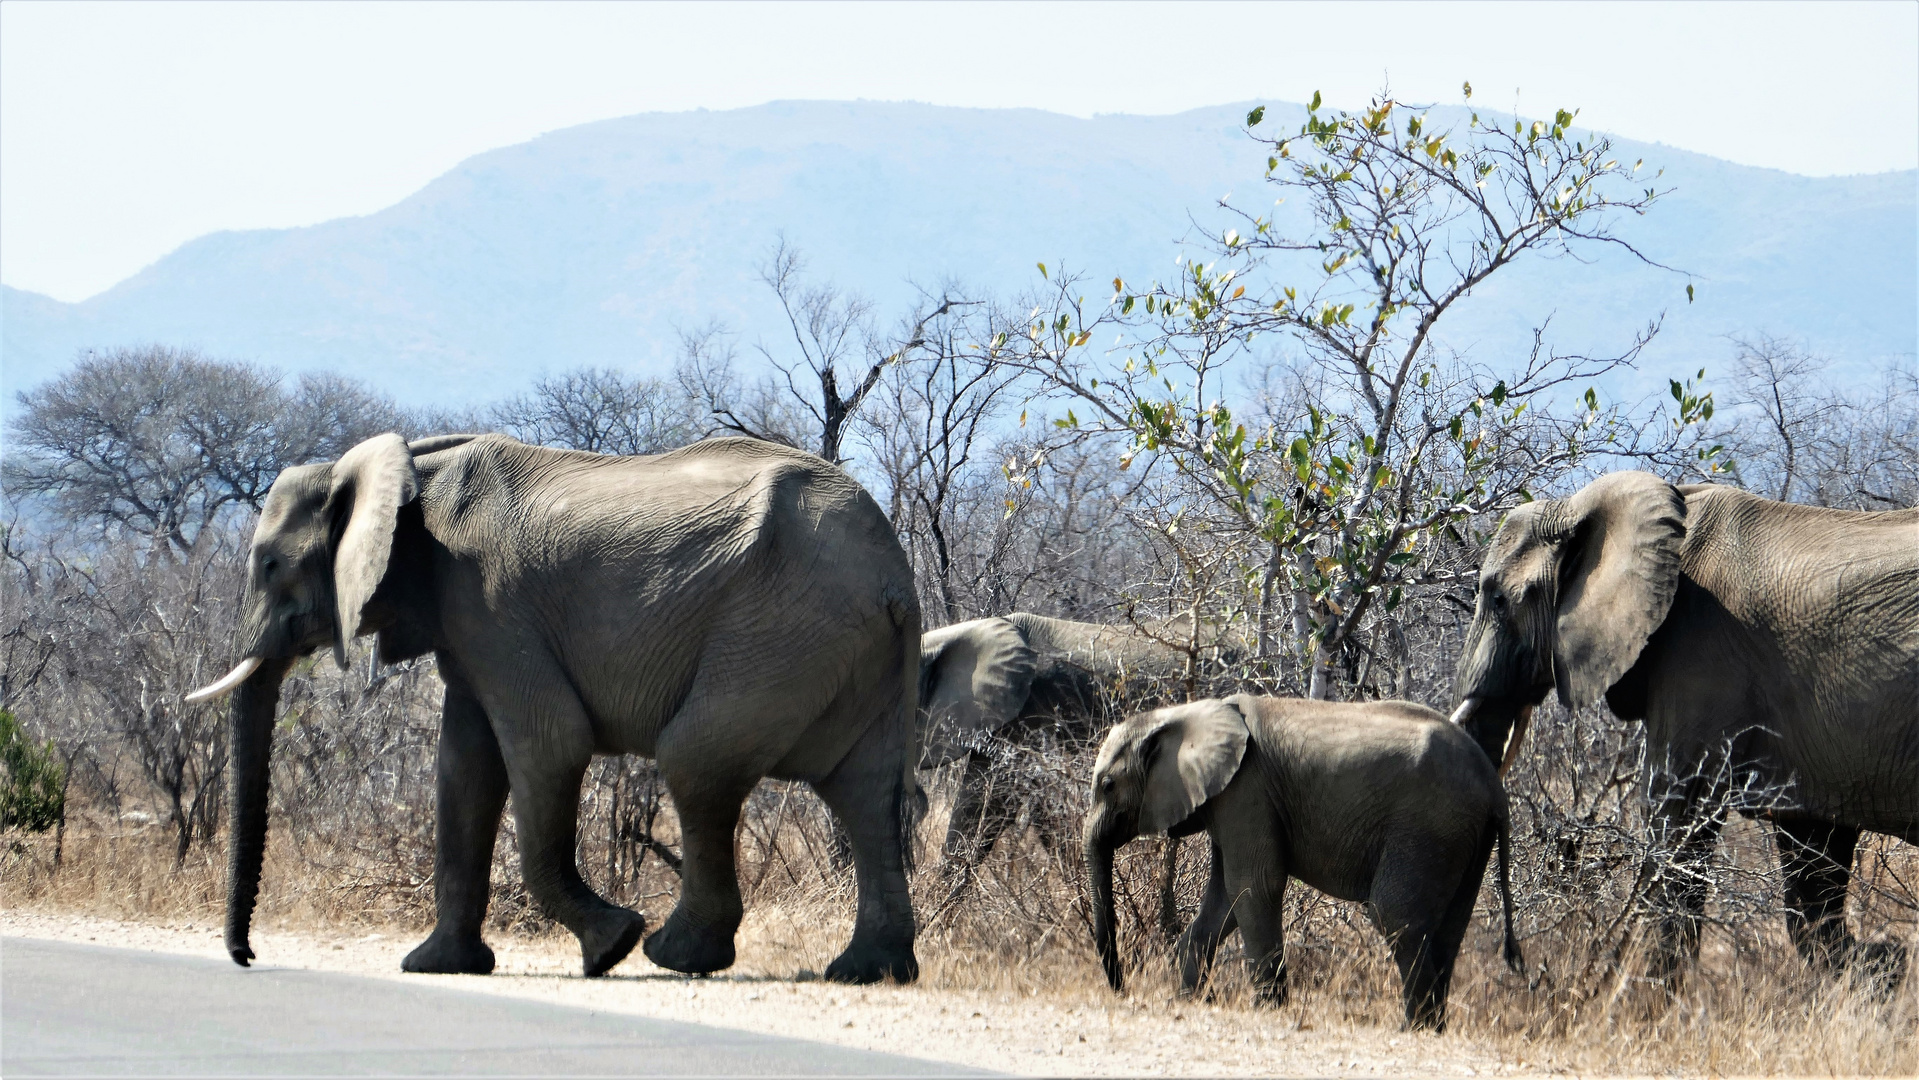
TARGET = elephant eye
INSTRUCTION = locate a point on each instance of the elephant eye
(1106, 783)
(1499, 601)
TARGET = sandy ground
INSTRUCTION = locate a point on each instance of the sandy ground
(1094, 1035)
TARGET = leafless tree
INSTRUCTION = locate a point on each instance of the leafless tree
(1798, 437)
(839, 350)
(160, 442)
(599, 410)
(1774, 381)
(135, 640)
(938, 416)
(759, 408)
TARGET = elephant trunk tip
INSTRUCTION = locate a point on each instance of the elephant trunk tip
(225, 684)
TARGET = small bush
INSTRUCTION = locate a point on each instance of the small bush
(33, 790)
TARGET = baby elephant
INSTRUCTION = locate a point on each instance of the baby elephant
(1383, 802)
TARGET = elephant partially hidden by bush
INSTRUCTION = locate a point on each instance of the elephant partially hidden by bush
(732, 609)
(1765, 645)
(1027, 680)
(1382, 802)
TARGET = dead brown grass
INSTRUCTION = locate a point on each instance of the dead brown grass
(1750, 1006)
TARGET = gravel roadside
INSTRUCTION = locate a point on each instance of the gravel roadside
(1069, 1033)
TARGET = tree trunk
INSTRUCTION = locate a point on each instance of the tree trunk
(1320, 688)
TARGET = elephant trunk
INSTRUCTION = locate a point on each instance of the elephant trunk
(251, 744)
(1102, 838)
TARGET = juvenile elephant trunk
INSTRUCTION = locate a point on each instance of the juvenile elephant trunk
(1101, 840)
(251, 743)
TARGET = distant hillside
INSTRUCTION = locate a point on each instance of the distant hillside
(590, 245)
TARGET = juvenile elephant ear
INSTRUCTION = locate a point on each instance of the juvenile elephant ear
(1618, 571)
(1199, 750)
(370, 484)
(974, 676)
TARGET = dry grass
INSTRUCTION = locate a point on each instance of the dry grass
(1749, 1007)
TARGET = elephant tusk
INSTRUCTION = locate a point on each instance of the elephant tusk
(1517, 737)
(240, 673)
(1465, 711)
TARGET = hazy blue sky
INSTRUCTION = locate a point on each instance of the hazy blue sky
(127, 129)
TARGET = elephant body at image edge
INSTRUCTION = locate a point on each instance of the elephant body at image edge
(1769, 648)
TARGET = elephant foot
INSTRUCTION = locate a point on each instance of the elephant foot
(861, 964)
(681, 946)
(1426, 1017)
(1271, 996)
(450, 954)
(607, 940)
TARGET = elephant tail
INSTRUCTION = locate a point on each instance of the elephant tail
(912, 804)
(1514, 958)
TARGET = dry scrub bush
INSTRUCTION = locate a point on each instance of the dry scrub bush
(89, 628)
(351, 844)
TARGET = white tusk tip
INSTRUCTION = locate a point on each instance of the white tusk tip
(226, 683)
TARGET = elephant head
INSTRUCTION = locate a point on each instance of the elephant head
(321, 548)
(1153, 773)
(974, 677)
(1569, 592)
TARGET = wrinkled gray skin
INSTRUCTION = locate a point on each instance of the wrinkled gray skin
(1031, 680)
(732, 609)
(1760, 642)
(1382, 802)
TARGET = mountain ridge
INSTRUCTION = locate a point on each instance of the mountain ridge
(594, 244)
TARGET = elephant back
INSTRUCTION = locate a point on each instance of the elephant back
(1117, 649)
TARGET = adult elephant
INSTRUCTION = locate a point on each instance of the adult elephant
(1759, 642)
(1028, 680)
(732, 609)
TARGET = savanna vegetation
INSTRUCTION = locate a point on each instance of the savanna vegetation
(1279, 448)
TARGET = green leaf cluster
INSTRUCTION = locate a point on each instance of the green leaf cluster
(33, 789)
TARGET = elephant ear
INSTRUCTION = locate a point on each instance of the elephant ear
(975, 676)
(1618, 570)
(1194, 753)
(433, 444)
(370, 484)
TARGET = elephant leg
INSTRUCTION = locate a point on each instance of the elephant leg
(982, 811)
(471, 789)
(1209, 927)
(1168, 914)
(1816, 857)
(546, 807)
(698, 937)
(1423, 898)
(1684, 833)
(867, 792)
(1255, 883)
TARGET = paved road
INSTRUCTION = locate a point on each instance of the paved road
(83, 1010)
